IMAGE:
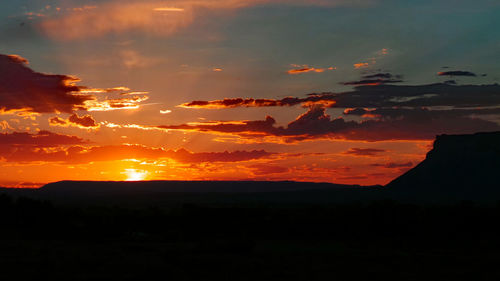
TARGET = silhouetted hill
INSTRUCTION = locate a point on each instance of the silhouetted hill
(175, 193)
(459, 167)
(185, 186)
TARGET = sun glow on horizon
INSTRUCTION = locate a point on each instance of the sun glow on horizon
(135, 175)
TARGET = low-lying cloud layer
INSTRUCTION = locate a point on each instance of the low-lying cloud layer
(40, 139)
(51, 147)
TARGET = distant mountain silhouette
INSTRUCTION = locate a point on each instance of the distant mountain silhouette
(185, 186)
(459, 167)
(168, 193)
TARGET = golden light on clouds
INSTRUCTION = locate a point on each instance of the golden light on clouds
(361, 65)
(299, 69)
(168, 9)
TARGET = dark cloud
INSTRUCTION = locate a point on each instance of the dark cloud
(25, 145)
(249, 102)
(40, 139)
(259, 127)
(457, 73)
(417, 96)
(373, 96)
(392, 124)
(86, 121)
(364, 151)
(239, 102)
(371, 82)
(355, 111)
(375, 79)
(381, 75)
(56, 121)
(22, 89)
(387, 112)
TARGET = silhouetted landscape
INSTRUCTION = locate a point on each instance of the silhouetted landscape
(228, 140)
(438, 221)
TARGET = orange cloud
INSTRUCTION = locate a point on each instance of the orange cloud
(4, 125)
(130, 126)
(306, 69)
(114, 104)
(361, 65)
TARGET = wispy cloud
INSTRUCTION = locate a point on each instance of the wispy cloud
(356, 151)
(305, 69)
(152, 16)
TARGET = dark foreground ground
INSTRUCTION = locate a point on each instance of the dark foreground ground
(378, 240)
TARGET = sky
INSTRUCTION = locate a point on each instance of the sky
(350, 92)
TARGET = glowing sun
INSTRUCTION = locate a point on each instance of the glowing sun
(135, 175)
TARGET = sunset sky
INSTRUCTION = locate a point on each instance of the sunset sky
(343, 91)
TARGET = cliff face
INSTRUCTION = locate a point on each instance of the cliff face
(461, 167)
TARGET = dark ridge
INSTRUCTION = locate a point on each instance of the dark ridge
(186, 186)
(459, 167)
(174, 193)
